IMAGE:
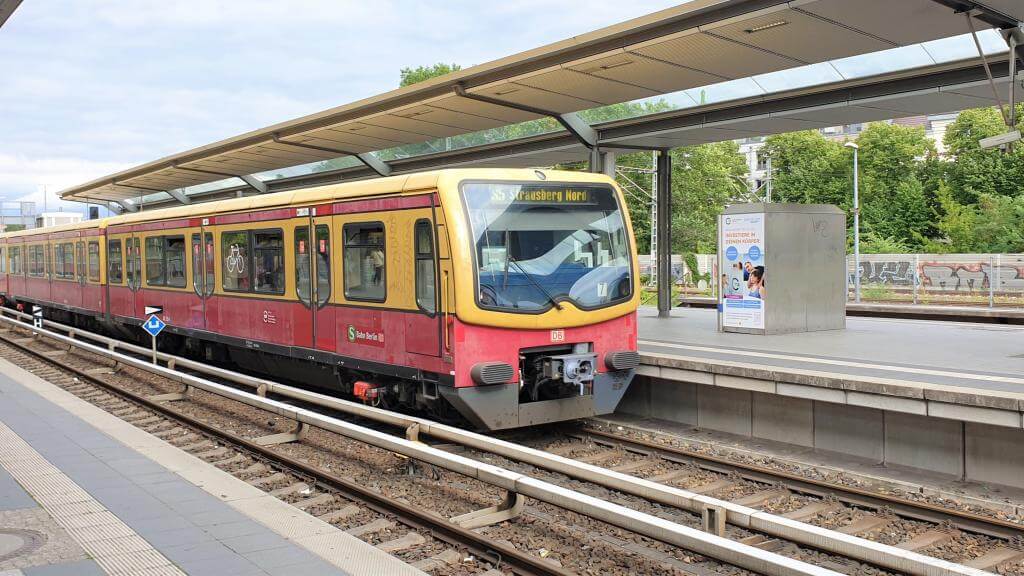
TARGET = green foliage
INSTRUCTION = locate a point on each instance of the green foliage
(809, 169)
(873, 243)
(695, 275)
(409, 76)
(704, 179)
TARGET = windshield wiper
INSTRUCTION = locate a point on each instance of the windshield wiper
(533, 281)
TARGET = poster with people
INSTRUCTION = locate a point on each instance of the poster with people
(743, 271)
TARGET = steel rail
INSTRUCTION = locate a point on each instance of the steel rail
(875, 553)
(703, 543)
(924, 511)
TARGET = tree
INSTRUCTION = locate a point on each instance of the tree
(976, 172)
(809, 168)
(893, 202)
(409, 76)
(704, 179)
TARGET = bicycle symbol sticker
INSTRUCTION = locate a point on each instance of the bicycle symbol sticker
(234, 262)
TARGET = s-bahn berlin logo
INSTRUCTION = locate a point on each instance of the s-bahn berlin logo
(363, 337)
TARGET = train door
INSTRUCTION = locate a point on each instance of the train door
(315, 324)
(133, 269)
(77, 294)
(423, 328)
(202, 274)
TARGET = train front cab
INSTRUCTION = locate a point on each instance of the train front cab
(545, 297)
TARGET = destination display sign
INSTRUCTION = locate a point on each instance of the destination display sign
(543, 195)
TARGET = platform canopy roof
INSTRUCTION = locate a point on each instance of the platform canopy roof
(7, 7)
(696, 44)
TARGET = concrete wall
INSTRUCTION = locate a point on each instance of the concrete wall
(959, 449)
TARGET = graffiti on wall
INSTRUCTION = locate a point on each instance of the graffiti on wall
(948, 275)
(963, 273)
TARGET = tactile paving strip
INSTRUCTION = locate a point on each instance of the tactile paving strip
(110, 542)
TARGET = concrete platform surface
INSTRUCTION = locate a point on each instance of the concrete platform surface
(966, 355)
(83, 493)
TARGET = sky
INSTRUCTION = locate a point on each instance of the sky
(96, 86)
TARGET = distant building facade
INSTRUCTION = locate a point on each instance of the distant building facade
(47, 219)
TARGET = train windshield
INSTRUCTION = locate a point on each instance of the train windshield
(538, 245)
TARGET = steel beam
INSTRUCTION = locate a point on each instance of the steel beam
(664, 230)
(379, 166)
(571, 121)
(128, 206)
(180, 196)
(255, 183)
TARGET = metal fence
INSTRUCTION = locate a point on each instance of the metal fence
(993, 280)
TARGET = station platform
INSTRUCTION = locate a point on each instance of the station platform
(945, 397)
(953, 313)
(959, 354)
(84, 493)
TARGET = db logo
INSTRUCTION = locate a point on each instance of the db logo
(558, 335)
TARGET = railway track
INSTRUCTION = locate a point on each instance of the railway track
(544, 540)
(972, 539)
(428, 541)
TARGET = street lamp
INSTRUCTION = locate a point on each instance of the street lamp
(856, 225)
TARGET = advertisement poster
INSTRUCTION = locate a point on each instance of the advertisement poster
(743, 272)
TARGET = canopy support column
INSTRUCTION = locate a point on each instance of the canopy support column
(664, 231)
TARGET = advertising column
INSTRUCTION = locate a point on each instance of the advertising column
(743, 273)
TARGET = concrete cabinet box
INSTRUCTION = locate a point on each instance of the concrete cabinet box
(782, 268)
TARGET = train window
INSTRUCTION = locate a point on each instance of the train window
(302, 264)
(94, 261)
(156, 272)
(3, 261)
(30, 256)
(115, 265)
(236, 274)
(268, 261)
(323, 264)
(197, 264)
(16, 266)
(174, 260)
(426, 295)
(210, 263)
(135, 269)
(36, 262)
(365, 262)
(68, 260)
(48, 264)
(80, 260)
(322, 247)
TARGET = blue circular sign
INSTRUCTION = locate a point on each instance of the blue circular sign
(754, 252)
(732, 253)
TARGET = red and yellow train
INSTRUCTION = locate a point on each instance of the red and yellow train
(508, 297)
